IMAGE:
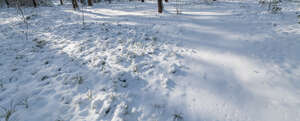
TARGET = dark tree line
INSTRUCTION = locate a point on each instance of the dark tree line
(7, 2)
(89, 3)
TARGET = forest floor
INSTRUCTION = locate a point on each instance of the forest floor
(224, 61)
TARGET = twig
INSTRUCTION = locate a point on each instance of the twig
(19, 10)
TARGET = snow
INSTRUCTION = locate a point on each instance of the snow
(224, 61)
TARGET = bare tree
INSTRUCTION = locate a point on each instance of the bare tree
(75, 4)
(178, 5)
(61, 2)
(90, 3)
(7, 3)
(34, 3)
(166, 1)
(82, 1)
(82, 11)
(160, 6)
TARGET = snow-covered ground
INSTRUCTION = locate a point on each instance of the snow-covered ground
(225, 61)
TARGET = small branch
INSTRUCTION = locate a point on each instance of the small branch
(19, 9)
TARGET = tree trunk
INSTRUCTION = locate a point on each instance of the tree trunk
(166, 1)
(34, 3)
(90, 3)
(160, 6)
(143, 0)
(61, 2)
(7, 3)
(75, 4)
